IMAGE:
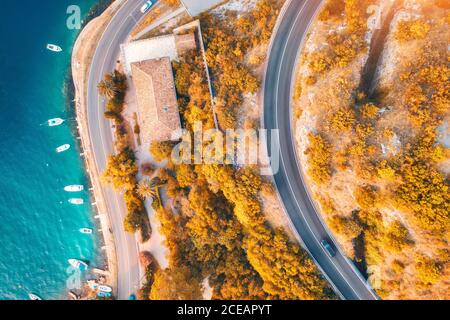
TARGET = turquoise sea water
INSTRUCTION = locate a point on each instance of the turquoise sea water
(38, 227)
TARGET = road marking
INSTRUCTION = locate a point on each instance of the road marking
(100, 118)
(325, 227)
(101, 125)
(282, 158)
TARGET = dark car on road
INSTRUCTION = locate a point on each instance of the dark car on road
(329, 249)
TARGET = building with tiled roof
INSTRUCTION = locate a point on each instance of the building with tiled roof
(158, 112)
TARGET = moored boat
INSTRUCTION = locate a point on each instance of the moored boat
(78, 264)
(86, 231)
(54, 47)
(63, 148)
(76, 201)
(55, 122)
(74, 188)
(105, 289)
(34, 297)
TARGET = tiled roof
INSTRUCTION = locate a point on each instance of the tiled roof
(156, 99)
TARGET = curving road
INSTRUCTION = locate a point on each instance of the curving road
(287, 42)
(278, 84)
(101, 137)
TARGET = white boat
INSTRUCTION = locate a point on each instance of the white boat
(55, 122)
(34, 297)
(86, 231)
(74, 188)
(63, 148)
(54, 47)
(76, 201)
(105, 289)
(78, 264)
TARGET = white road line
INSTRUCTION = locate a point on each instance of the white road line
(103, 70)
(329, 233)
(282, 158)
(100, 123)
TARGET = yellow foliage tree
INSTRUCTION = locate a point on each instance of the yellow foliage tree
(425, 191)
(342, 120)
(175, 284)
(428, 270)
(411, 30)
(319, 159)
(121, 170)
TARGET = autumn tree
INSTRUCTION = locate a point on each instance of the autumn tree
(162, 150)
(428, 270)
(425, 191)
(136, 218)
(176, 284)
(121, 170)
(333, 10)
(344, 226)
(342, 120)
(172, 3)
(411, 30)
(319, 159)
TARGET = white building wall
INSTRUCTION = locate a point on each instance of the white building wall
(148, 49)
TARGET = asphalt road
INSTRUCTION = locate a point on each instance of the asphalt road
(289, 180)
(101, 136)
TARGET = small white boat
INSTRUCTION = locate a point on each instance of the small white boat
(76, 201)
(106, 289)
(34, 297)
(63, 148)
(55, 122)
(86, 231)
(54, 47)
(74, 188)
(78, 264)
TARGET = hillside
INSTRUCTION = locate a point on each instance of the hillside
(371, 116)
